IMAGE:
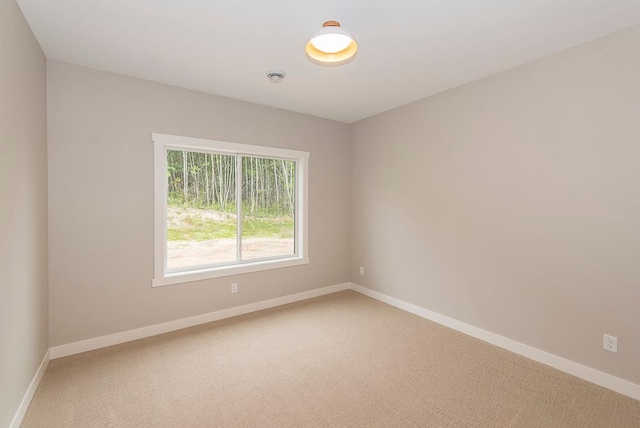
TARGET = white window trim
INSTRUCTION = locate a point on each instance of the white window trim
(161, 143)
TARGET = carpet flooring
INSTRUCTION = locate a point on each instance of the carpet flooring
(341, 360)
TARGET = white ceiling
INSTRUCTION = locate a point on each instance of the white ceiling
(408, 49)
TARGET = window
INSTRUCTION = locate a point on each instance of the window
(225, 208)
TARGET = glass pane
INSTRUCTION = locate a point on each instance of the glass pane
(268, 204)
(201, 209)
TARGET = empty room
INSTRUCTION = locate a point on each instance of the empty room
(320, 213)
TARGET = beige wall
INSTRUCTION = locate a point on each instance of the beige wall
(513, 203)
(101, 200)
(23, 208)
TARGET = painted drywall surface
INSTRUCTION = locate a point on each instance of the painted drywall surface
(101, 199)
(513, 203)
(23, 208)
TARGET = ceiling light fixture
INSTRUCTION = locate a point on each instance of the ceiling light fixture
(331, 45)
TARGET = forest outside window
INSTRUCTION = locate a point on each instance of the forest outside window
(226, 208)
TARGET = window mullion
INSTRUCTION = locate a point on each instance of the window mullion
(239, 206)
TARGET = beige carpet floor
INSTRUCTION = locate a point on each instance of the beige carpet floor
(342, 360)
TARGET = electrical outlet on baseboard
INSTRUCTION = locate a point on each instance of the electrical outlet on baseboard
(361, 270)
(234, 287)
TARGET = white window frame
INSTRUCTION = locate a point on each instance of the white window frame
(162, 143)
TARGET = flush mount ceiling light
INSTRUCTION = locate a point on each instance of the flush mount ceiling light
(331, 45)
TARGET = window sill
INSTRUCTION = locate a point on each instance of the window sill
(198, 275)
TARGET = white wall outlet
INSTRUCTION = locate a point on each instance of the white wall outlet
(234, 287)
(361, 270)
(610, 343)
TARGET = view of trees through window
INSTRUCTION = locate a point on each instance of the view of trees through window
(202, 208)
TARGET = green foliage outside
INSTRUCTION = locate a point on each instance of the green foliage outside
(204, 183)
(198, 228)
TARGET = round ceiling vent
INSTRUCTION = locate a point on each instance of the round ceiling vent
(275, 76)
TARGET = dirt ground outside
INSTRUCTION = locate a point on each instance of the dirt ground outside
(193, 253)
(176, 216)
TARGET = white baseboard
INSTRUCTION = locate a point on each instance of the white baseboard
(26, 400)
(587, 373)
(152, 330)
(583, 372)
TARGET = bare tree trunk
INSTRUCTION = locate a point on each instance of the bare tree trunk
(220, 184)
(253, 187)
(206, 182)
(185, 177)
(215, 195)
(287, 184)
(277, 187)
(195, 173)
